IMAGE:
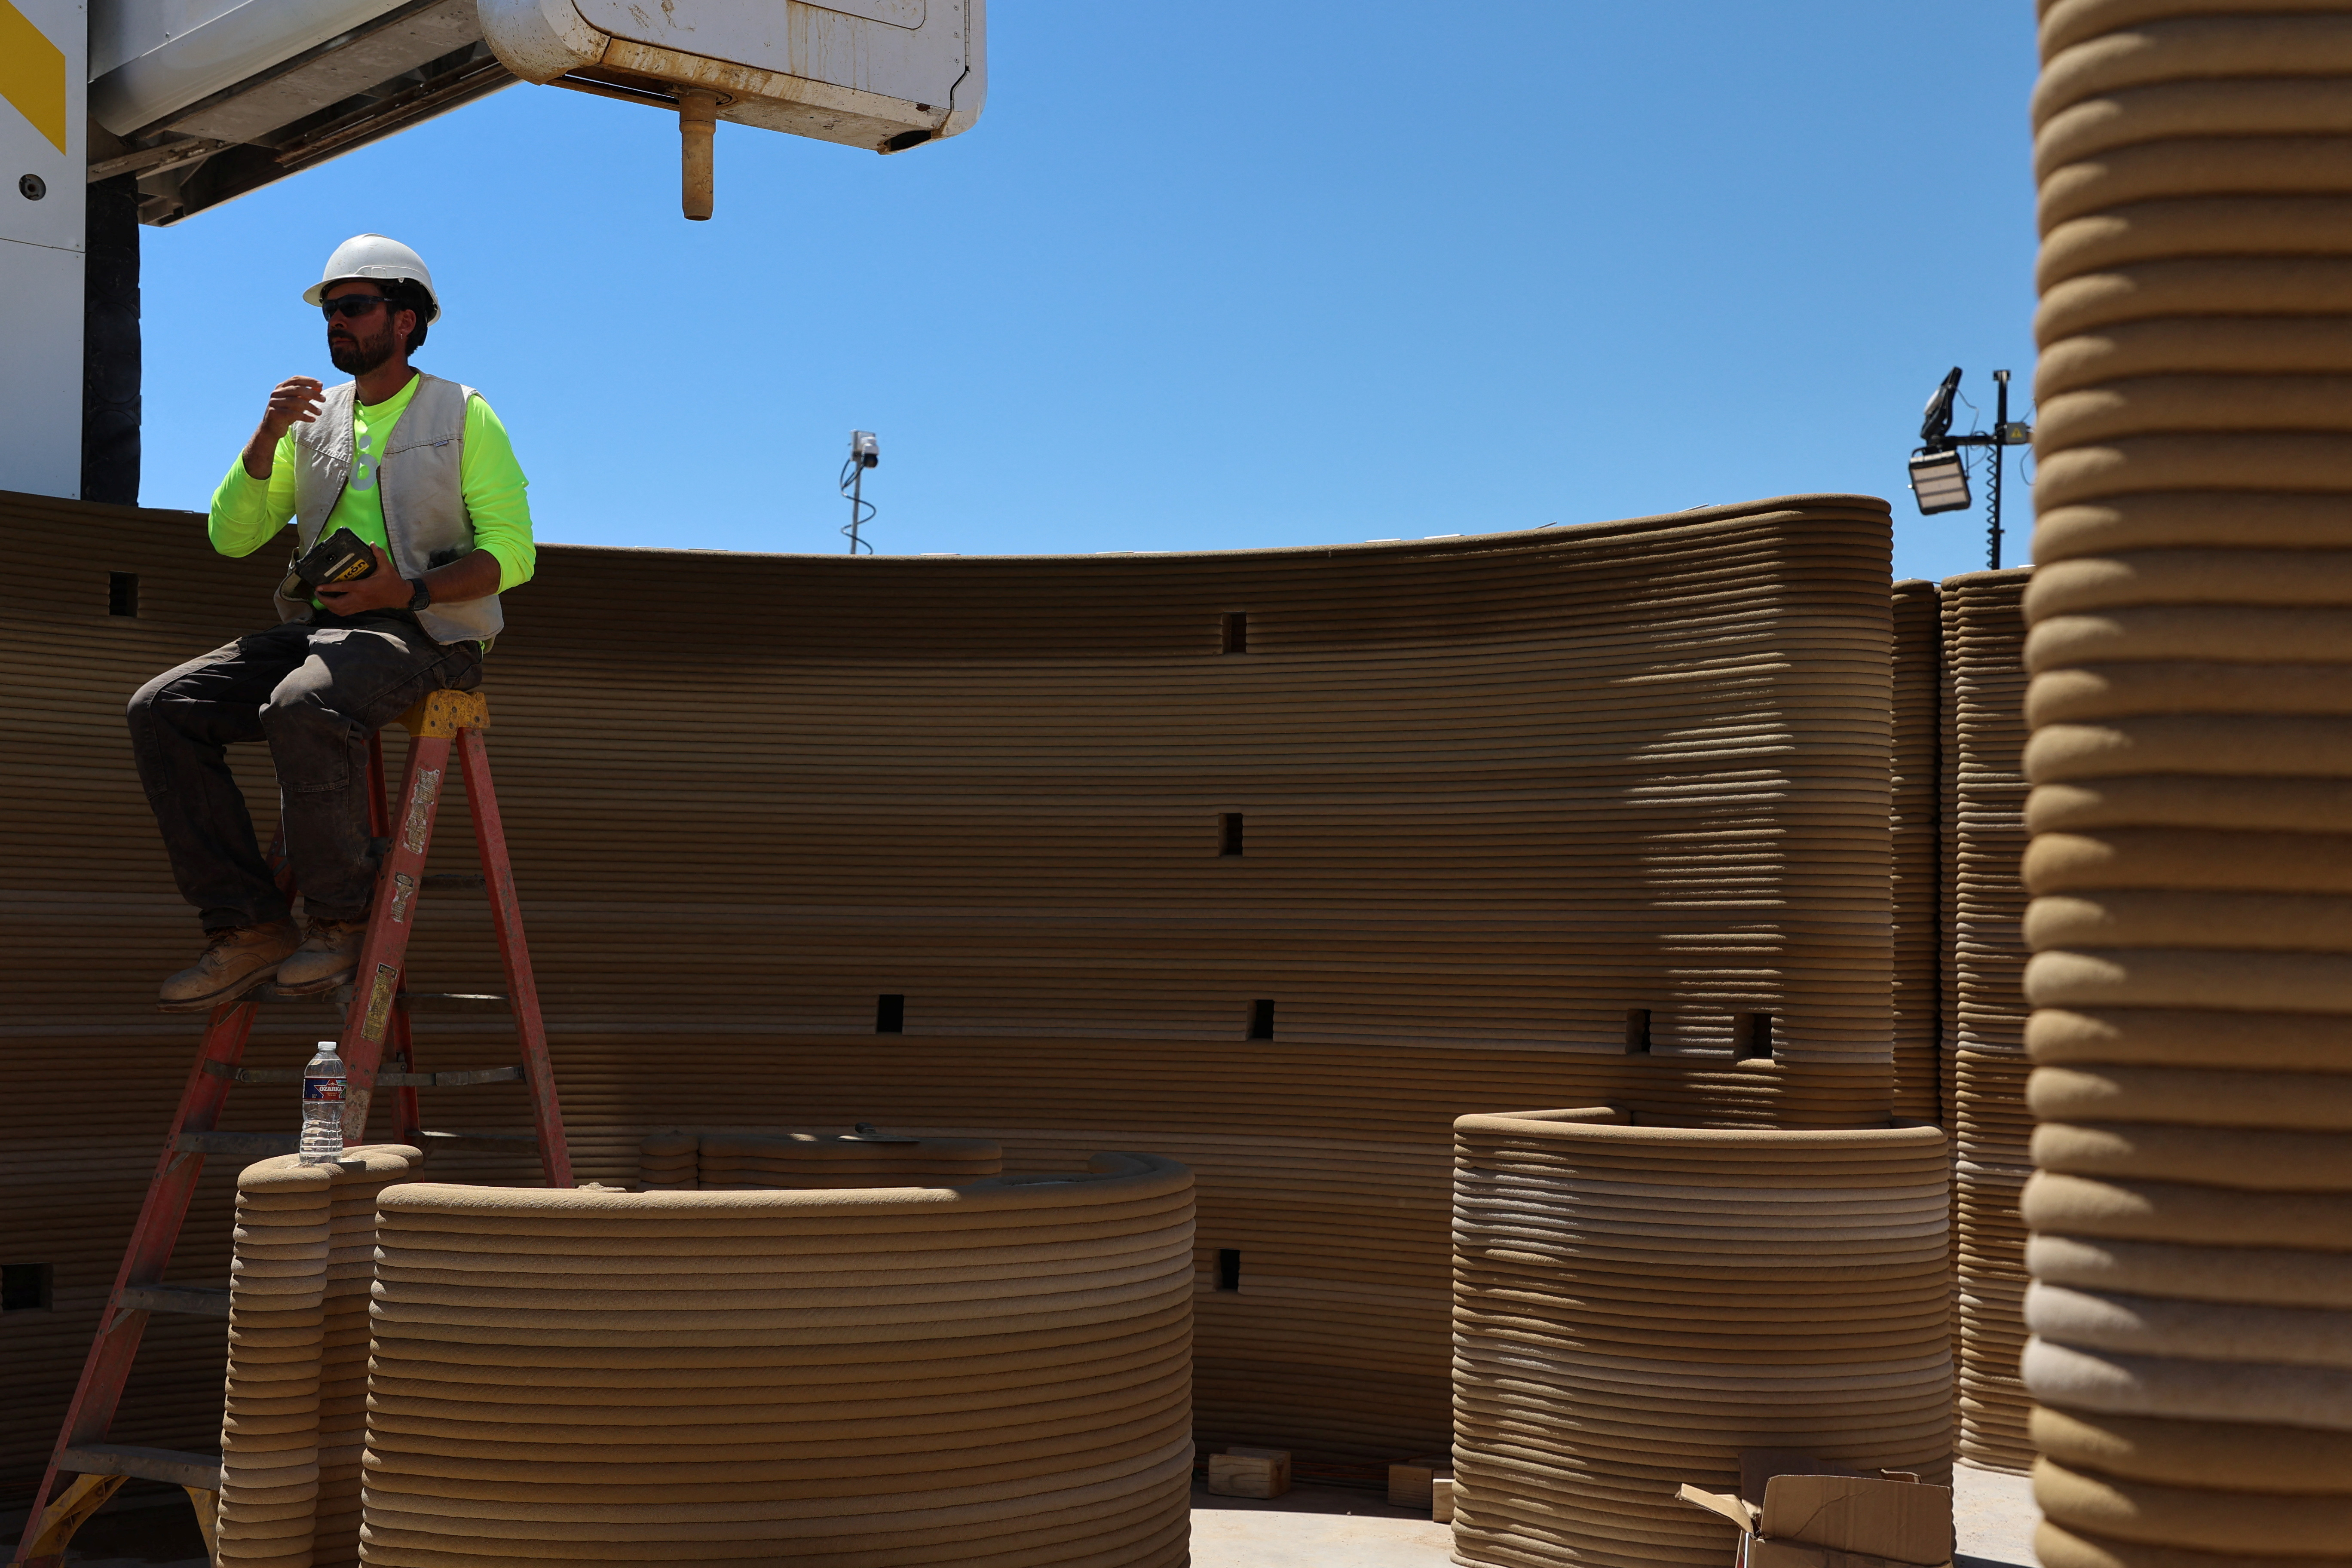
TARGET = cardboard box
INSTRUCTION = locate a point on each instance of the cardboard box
(1408, 1482)
(1250, 1473)
(1817, 1515)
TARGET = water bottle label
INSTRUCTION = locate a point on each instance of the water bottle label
(323, 1089)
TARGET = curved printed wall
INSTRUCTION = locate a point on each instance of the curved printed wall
(995, 1375)
(715, 1161)
(1500, 796)
(1635, 1305)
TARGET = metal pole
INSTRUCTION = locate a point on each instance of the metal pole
(856, 493)
(1999, 435)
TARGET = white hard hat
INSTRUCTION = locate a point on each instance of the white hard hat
(379, 260)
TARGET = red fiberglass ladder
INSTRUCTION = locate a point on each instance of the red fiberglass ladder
(375, 1036)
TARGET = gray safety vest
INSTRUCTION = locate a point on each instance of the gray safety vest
(424, 497)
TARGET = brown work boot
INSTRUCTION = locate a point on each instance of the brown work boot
(330, 952)
(235, 962)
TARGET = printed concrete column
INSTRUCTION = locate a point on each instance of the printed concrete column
(2191, 647)
(1635, 1305)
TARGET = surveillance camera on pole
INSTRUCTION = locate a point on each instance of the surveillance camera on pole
(864, 452)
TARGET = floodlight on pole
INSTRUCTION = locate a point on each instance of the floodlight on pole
(1939, 472)
(1939, 482)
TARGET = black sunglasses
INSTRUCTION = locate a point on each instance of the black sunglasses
(351, 307)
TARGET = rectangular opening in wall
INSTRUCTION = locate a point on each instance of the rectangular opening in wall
(1229, 833)
(1751, 1036)
(122, 592)
(1237, 631)
(25, 1286)
(1261, 1025)
(1229, 1268)
(890, 1014)
(1637, 1031)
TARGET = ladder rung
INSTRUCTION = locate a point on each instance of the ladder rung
(454, 1000)
(453, 882)
(340, 999)
(504, 1142)
(169, 1464)
(254, 1075)
(194, 1301)
(447, 1080)
(277, 998)
(252, 1145)
(289, 1075)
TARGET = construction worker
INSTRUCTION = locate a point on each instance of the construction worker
(421, 470)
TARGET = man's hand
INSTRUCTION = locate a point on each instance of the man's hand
(382, 589)
(294, 401)
(473, 575)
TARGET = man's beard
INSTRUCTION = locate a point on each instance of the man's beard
(361, 355)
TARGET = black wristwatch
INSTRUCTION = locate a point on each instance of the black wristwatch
(422, 598)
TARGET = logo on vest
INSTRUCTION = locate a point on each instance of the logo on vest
(364, 462)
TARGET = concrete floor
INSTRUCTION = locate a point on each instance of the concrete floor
(1995, 1516)
(1333, 1527)
(1310, 1526)
(1315, 1527)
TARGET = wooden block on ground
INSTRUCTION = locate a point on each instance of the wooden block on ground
(1409, 1481)
(1250, 1473)
(1441, 1497)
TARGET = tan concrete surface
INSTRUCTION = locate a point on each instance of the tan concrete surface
(1336, 1527)
(1995, 1516)
(1315, 1527)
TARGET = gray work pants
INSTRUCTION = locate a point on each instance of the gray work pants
(316, 691)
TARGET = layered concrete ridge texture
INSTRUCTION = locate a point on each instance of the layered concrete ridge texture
(294, 1409)
(1577, 815)
(1983, 661)
(1915, 788)
(721, 1162)
(1635, 1305)
(996, 1375)
(2190, 626)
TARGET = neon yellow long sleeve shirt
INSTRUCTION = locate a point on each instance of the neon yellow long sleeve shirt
(246, 512)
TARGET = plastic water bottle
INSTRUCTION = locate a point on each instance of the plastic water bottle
(323, 1107)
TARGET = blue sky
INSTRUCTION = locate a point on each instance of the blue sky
(1210, 276)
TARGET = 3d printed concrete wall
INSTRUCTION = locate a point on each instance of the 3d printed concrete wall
(1635, 1305)
(1915, 787)
(1508, 807)
(997, 1373)
(1984, 700)
(2192, 864)
(718, 1162)
(294, 1412)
